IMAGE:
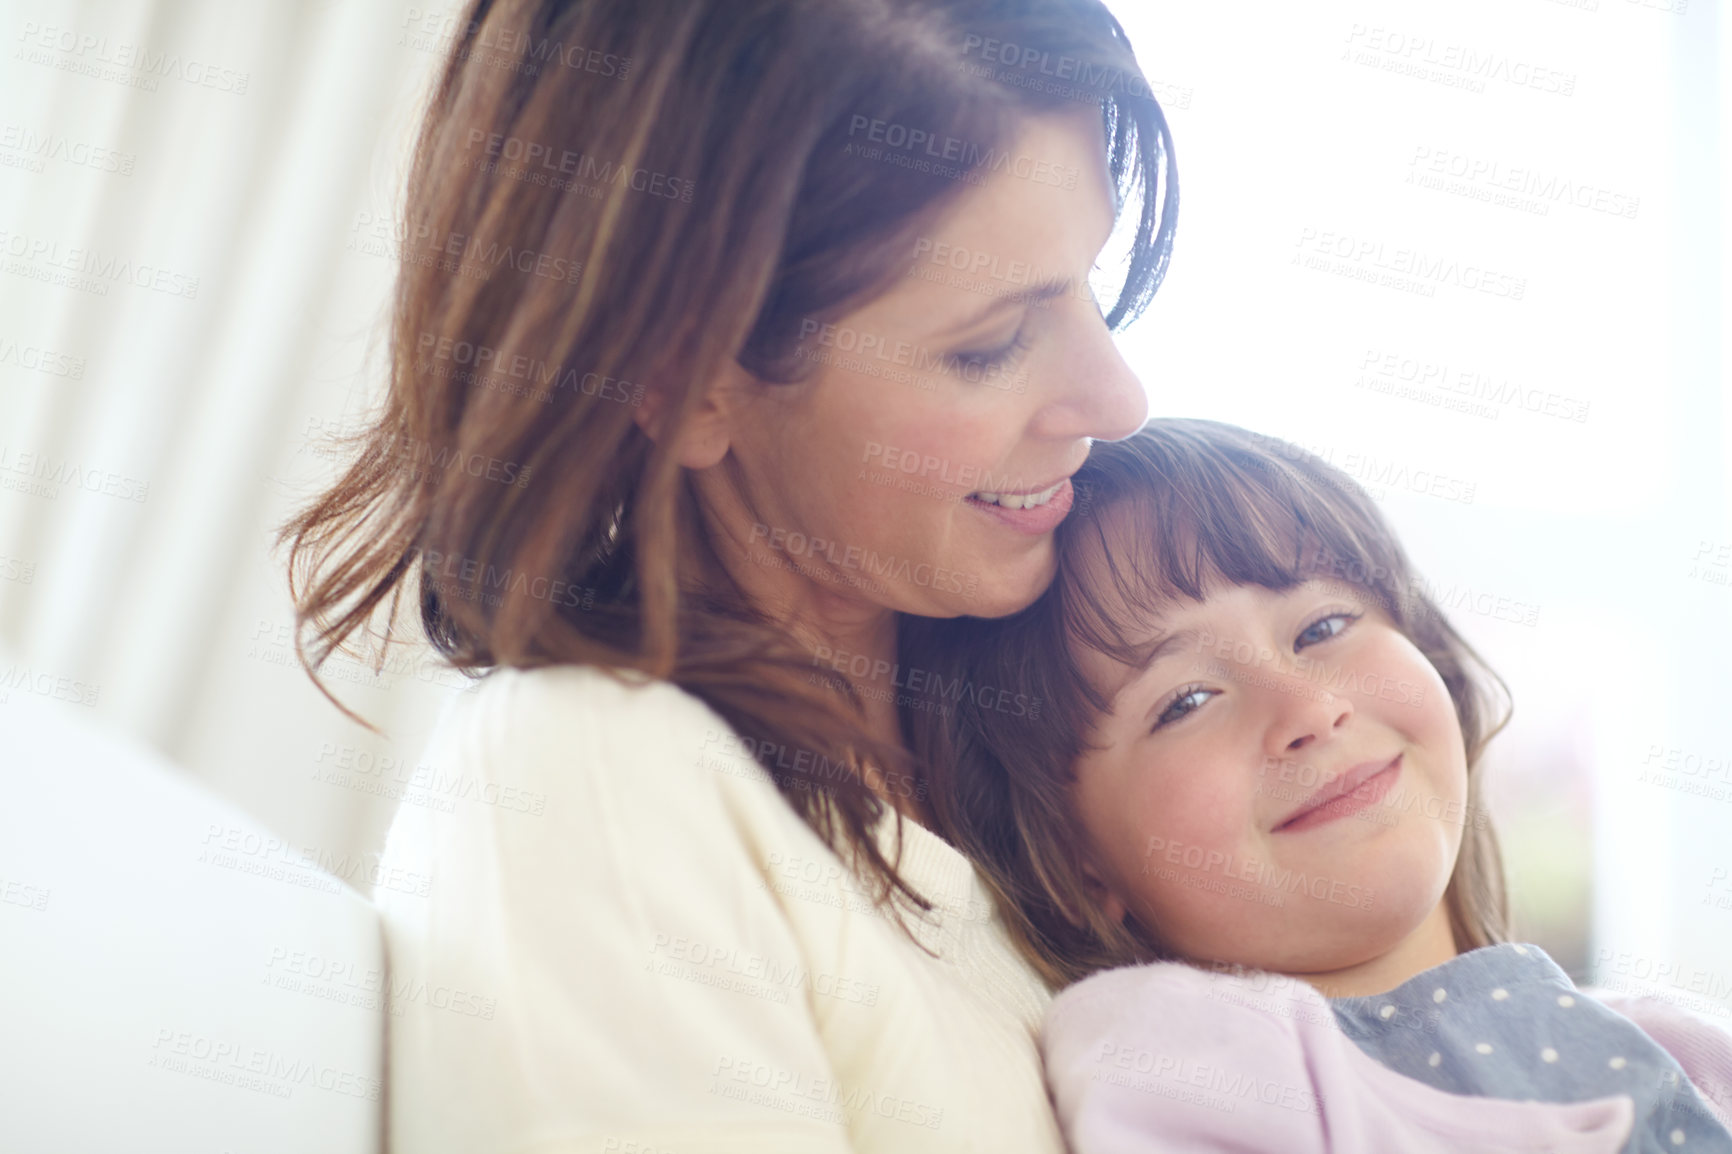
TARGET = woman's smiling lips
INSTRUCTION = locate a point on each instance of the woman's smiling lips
(1034, 512)
(1359, 788)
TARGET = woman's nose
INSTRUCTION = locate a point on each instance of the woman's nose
(1098, 396)
(1123, 403)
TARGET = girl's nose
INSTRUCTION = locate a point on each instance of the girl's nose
(1305, 715)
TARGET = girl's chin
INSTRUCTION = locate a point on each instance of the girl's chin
(1313, 949)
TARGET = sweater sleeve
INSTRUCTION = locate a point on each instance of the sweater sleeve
(636, 984)
(1703, 1049)
(1167, 1057)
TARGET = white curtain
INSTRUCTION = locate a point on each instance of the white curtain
(196, 200)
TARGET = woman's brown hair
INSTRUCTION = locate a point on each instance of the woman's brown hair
(1212, 505)
(611, 200)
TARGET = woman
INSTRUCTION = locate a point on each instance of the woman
(728, 331)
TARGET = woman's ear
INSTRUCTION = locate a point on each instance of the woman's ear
(1102, 893)
(704, 438)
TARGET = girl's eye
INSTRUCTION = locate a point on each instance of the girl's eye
(1323, 629)
(972, 364)
(1189, 700)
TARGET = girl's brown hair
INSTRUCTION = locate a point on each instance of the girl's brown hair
(1213, 504)
(615, 198)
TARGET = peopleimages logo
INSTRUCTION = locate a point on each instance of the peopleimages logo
(1268, 878)
(425, 462)
(926, 682)
(141, 67)
(912, 462)
(447, 570)
(865, 561)
(485, 362)
(542, 164)
(1451, 64)
(1403, 267)
(88, 269)
(498, 45)
(41, 475)
(966, 156)
(1540, 189)
(1101, 79)
(27, 679)
(37, 147)
(37, 359)
(1385, 371)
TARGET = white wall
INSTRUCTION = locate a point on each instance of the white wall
(1323, 143)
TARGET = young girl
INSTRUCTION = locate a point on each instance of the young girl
(1250, 810)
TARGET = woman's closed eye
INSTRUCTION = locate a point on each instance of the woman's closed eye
(1183, 703)
(982, 360)
(1323, 629)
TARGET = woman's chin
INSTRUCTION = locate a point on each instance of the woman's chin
(1002, 591)
(998, 600)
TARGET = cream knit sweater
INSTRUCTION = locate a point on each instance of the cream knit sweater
(625, 940)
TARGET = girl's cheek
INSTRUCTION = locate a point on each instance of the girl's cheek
(1116, 814)
(1434, 711)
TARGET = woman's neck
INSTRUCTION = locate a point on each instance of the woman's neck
(844, 633)
(845, 640)
(1432, 943)
(845, 643)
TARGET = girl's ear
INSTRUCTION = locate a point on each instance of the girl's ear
(1102, 893)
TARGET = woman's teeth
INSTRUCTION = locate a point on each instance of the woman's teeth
(1019, 500)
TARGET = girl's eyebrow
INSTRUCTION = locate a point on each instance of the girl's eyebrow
(1168, 645)
(1171, 644)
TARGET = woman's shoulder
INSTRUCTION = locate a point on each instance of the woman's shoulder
(573, 768)
(665, 939)
(569, 698)
(568, 786)
(569, 720)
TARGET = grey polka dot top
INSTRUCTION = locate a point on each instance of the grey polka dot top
(1506, 1022)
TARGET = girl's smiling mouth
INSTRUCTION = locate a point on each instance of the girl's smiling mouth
(1359, 788)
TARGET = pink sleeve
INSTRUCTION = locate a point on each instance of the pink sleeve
(1172, 1058)
(1701, 1047)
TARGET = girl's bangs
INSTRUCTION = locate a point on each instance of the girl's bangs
(1176, 513)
